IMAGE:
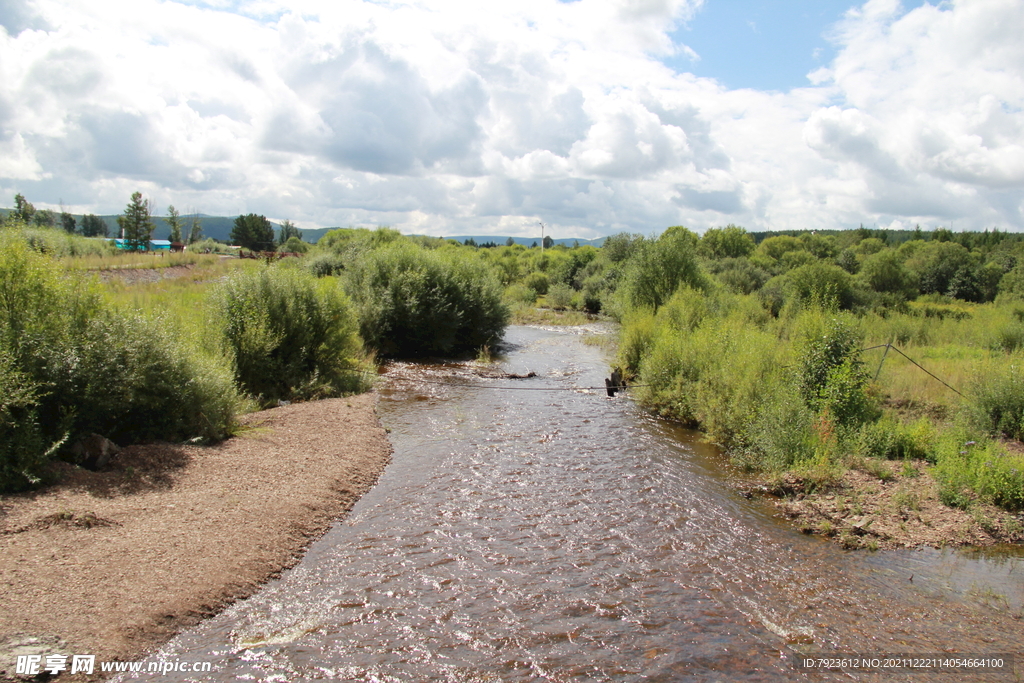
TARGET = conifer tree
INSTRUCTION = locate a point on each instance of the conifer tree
(136, 224)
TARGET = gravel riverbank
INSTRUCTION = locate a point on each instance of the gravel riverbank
(114, 563)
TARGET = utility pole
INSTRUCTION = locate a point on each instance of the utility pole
(541, 236)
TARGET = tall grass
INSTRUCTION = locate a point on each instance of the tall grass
(58, 243)
(137, 259)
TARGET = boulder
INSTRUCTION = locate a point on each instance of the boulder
(93, 451)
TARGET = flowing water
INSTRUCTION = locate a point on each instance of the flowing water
(534, 529)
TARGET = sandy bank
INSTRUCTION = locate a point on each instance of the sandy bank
(114, 563)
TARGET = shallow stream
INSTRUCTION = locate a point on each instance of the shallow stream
(533, 529)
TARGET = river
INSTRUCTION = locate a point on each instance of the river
(535, 529)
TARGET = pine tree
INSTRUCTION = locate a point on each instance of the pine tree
(136, 224)
(253, 232)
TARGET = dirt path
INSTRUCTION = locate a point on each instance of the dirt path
(115, 563)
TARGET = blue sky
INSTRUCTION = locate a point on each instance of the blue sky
(760, 44)
(460, 117)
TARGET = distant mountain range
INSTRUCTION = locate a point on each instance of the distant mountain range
(219, 228)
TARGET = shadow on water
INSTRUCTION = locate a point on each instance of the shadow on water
(536, 529)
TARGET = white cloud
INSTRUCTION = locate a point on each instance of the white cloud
(451, 117)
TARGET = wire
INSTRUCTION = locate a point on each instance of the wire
(890, 345)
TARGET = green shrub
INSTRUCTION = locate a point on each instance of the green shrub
(289, 335)
(820, 283)
(23, 450)
(1011, 286)
(58, 243)
(888, 438)
(782, 434)
(998, 398)
(657, 269)
(844, 396)
(1008, 337)
(740, 275)
(829, 344)
(729, 242)
(538, 282)
(324, 263)
(560, 296)
(210, 246)
(969, 468)
(127, 377)
(885, 272)
(636, 339)
(69, 365)
(520, 294)
(294, 245)
(413, 302)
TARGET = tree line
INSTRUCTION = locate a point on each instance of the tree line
(250, 231)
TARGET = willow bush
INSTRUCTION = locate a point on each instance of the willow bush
(71, 364)
(290, 336)
(414, 302)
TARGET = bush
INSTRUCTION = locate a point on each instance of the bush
(970, 467)
(998, 398)
(520, 294)
(891, 439)
(70, 365)
(324, 263)
(128, 378)
(538, 282)
(1011, 286)
(293, 245)
(885, 272)
(210, 246)
(58, 243)
(820, 283)
(290, 337)
(657, 269)
(740, 275)
(831, 375)
(23, 450)
(413, 302)
(781, 436)
(560, 296)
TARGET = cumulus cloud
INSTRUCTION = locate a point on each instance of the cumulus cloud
(454, 117)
